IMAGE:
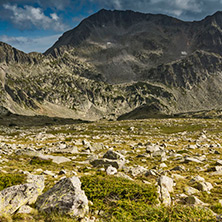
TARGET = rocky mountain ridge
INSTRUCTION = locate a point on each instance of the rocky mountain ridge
(117, 62)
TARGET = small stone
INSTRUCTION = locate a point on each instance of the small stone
(190, 190)
(113, 155)
(178, 177)
(118, 164)
(62, 172)
(48, 172)
(25, 209)
(204, 186)
(192, 159)
(219, 162)
(197, 179)
(178, 168)
(192, 200)
(163, 165)
(111, 170)
(152, 148)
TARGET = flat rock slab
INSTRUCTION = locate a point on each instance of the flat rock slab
(192, 159)
(34, 153)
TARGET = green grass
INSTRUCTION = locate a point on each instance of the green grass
(123, 200)
(40, 162)
(182, 128)
(7, 180)
(120, 199)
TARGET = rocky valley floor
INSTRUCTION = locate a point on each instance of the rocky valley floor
(139, 170)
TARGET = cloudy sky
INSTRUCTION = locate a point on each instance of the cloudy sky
(34, 25)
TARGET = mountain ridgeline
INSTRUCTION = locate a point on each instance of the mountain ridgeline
(118, 64)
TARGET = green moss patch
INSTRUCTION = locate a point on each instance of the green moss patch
(39, 161)
(118, 198)
(8, 180)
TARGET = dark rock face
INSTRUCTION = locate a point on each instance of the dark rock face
(118, 63)
(9, 54)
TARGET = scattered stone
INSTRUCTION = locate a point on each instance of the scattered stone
(65, 197)
(151, 172)
(62, 172)
(192, 147)
(178, 177)
(219, 162)
(164, 196)
(193, 200)
(48, 172)
(191, 159)
(118, 164)
(25, 209)
(111, 170)
(113, 155)
(33, 153)
(190, 190)
(163, 165)
(204, 186)
(178, 168)
(197, 179)
(152, 148)
(215, 168)
(135, 171)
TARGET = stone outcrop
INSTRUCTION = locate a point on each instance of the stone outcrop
(12, 198)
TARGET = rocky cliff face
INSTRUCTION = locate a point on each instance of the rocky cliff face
(118, 62)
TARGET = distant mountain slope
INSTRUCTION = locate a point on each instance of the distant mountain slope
(118, 63)
(123, 44)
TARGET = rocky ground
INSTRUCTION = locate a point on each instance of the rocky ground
(141, 170)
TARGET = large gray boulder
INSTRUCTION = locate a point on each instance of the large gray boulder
(65, 197)
(14, 197)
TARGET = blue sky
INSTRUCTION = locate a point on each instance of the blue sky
(34, 25)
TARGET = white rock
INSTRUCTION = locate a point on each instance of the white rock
(25, 209)
(197, 179)
(204, 186)
(165, 181)
(111, 170)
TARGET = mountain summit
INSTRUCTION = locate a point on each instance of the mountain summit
(119, 62)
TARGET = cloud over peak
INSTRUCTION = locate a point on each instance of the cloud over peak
(28, 17)
(183, 9)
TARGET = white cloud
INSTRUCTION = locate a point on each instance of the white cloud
(25, 44)
(54, 16)
(183, 9)
(29, 17)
